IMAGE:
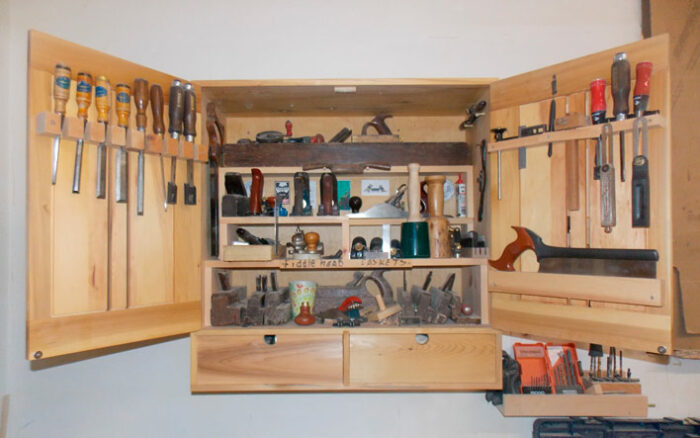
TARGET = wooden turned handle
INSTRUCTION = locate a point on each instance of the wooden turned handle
(436, 195)
(157, 106)
(311, 240)
(103, 98)
(83, 94)
(61, 88)
(513, 250)
(413, 193)
(190, 113)
(141, 102)
(256, 189)
(123, 104)
(380, 302)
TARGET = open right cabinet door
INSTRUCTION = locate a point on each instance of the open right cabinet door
(559, 197)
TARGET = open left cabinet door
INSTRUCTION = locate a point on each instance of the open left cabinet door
(559, 198)
(98, 273)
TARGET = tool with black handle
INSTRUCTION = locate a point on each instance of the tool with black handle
(103, 102)
(83, 97)
(61, 93)
(608, 216)
(123, 107)
(157, 106)
(620, 75)
(176, 112)
(215, 130)
(190, 132)
(640, 175)
(550, 126)
(141, 102)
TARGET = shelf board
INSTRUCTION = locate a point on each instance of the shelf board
(326, 220)
(395, 170)
(340, 264)
(584, 132)
(574, 405)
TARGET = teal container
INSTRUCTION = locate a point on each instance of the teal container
(414, 240)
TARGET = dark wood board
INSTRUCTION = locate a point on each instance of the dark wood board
(299, 154)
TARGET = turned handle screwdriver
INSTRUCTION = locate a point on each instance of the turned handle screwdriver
(103, 105)
(159, 129)
(83, 97)
(620, 75)
(141, 102)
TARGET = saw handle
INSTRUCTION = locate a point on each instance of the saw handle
(512, 251)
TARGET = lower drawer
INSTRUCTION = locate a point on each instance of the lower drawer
(223, 361)
(455, 360)
(279, 359)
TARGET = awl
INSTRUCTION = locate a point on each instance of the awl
(584, 261)
(190, 120)
(123, 107)
(176, 110)
(141, 102)
(83, 97)
(159, 129)
(61, 92)
(102, 103)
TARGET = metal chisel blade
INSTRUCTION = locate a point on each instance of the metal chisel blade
(190, 189)
(122, 176)
(100, 187)
(162, 175)
(77, 167)
(139, 184)
(172, 187)
(605, 267)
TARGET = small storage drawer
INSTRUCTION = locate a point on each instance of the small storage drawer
(426, 358)
(265, 360)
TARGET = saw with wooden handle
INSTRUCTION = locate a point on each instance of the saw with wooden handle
(639, 263)
(347, 168)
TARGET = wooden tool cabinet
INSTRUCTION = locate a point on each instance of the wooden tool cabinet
(98, 275)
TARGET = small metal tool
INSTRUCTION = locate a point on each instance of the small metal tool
(607, 182)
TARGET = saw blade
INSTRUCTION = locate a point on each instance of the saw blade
(605, 267)
(382, 210)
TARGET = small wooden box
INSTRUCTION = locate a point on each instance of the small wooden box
(248, 253)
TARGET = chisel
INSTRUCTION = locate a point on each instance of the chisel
(141, 102)
(620, 75)
(640, 162)
(103, 104)
(61, 92)
(159, 129)
(176, 110)
(641, 87)
(190, 119)
(597, 117)
(83, 97)
(123, 107)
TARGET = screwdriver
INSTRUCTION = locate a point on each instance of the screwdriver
(641, 87)
(102, 103)
(597, 117)
(190, 118)
(620, 75)
(83, 97)
(123, 106)
(141, 102)
(176, 110)
(159, 129)
(61, 93)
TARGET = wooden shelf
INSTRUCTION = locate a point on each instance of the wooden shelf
(575, 405)
(327, 220)
(584, 132)
(340, 264)
(395, 170)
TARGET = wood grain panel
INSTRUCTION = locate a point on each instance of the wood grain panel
(314, 360)
(574, 76)
(71, 334)
(444, 359)
(188, 236)
(538, 405)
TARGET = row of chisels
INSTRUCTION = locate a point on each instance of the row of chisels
(182, 127)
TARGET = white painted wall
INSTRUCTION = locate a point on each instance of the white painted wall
(145, 391)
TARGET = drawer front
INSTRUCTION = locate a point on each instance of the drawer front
(258, 362)
(425, 360)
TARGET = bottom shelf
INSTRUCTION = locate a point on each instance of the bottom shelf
(574, 405)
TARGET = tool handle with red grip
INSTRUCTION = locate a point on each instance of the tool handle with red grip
(641, 87)
(598, 101)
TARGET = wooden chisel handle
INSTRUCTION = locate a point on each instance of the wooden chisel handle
(61, 88)
(83, 94)
(256, 190)
(413, 193)
(157, 109)
(103, 100)
(190, 113)
(141, 102)
(123, 105)
(176, 109)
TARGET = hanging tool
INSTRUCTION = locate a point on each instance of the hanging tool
(176, 112)
(215, 129)
(190, 117)
(61, 93)
(123, 107)
(552, 113)
(607, 182)
(641, 87)
(597, 117)
(103, 101)
(482, 180)
(141, 102)
(620, 75)
(498, 135)
(83, 97)
(473, 113)
(639, 263)
(640, 175)
(159, 129)
(378, 123)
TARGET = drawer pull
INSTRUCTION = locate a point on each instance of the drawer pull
(270, 339)
(422, 338)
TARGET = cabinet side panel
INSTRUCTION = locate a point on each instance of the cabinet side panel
(188, 237)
